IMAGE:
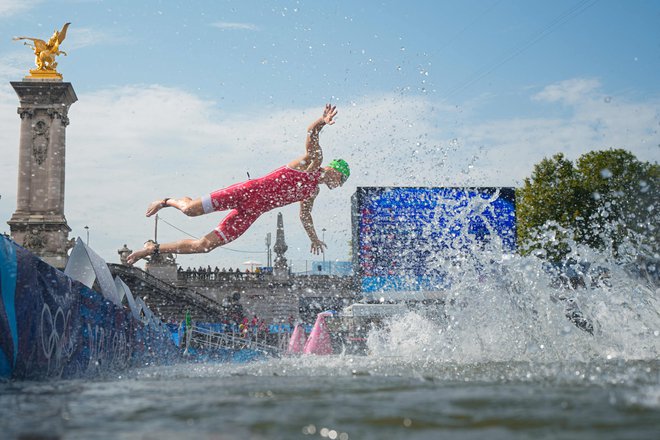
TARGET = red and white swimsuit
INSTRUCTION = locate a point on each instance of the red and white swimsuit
(249, 199)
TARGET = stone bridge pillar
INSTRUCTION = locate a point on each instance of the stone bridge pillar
(39, 223)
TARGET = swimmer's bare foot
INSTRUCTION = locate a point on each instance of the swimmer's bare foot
(156, 206)
(150, 248)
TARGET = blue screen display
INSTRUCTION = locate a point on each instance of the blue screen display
(399, 232)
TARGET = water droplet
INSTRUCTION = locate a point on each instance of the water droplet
(608, 99)
(605, 173)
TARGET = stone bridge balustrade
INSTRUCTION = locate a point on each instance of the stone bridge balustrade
(207, 293)
(266, 295)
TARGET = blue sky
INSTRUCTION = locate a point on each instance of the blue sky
(181, 98)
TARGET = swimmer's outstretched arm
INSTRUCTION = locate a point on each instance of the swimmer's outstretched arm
(307, 222)
(313, 157)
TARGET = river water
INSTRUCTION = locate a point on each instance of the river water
(345, 398)
(500, 360)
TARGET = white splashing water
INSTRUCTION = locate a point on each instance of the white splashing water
(507, 307)
(510, 308)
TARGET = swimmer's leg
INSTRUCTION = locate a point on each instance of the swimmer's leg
(220, 200)
(235, 224)
(190, 207)
(186, 246)
(229, 229)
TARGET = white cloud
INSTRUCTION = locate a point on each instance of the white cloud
(594, 121)
(225, 25)
(9, 129)
(130, 145)
(13, 7)
(78, 38)
(571, 91)
(15, 65)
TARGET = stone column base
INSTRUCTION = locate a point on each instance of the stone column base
(47, 236)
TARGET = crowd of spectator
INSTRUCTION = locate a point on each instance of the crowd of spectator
(234, 319)
(209, 274)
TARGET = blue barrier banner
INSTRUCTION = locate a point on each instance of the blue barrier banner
(54, 326)
(8, 326)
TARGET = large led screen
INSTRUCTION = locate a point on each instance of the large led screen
(399, 232)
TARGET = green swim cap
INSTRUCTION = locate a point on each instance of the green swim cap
(341, 166)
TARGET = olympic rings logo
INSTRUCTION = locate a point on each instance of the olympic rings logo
(56, 342)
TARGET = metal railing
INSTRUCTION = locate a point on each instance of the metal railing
(211, 339)
(205, 275)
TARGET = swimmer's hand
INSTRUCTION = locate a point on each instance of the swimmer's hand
(317, 247)
(329, 113)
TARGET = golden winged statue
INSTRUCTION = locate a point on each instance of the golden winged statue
(45, 53)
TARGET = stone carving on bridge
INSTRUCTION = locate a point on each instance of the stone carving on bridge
(34, 240)
(124, 252)
(40, 141)
(61, 114)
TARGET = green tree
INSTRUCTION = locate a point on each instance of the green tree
(601, 200)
